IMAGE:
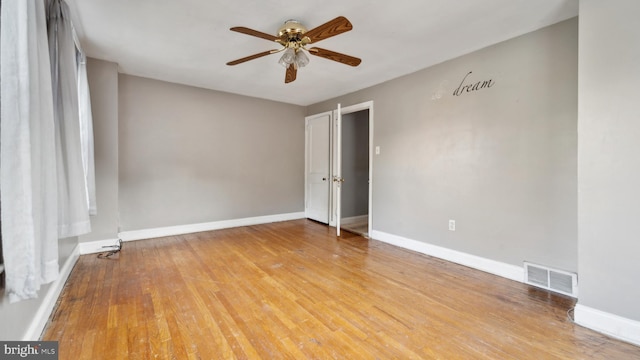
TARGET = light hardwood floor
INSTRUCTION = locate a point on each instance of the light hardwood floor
(359, 228)
(292, 290)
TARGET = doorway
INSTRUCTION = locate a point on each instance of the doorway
(324, 180)
(354, 214)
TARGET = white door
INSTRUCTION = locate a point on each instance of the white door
(317, 162)
(337, 166)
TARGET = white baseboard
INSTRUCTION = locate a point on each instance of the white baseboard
(354, 219)
(92, 247)
(508, 271)
(613, 325)
(39, 322)
(216, 225)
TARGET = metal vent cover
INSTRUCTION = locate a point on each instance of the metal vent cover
(559, 281)
(538, 276)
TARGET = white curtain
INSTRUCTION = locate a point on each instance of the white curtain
(86, 129)
(73, 210)
(44, 186)
(28, 186)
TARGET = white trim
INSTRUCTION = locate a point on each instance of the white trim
(98, 246)
(367, 105)
(613, 325)
(354, 219)
(337, 170)
(41, 317)
(216, 225)
(505, 270)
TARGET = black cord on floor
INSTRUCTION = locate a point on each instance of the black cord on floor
(115, 249)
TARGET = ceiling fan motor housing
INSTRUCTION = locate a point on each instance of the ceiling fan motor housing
(291, 30)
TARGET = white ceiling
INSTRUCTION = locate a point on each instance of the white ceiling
(189, 41)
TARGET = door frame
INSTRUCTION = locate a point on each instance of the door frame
(333, 205)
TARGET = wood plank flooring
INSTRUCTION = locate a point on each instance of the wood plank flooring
(292, 290)
(359, 228)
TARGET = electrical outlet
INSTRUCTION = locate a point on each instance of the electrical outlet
(452, 225)
(377, 150)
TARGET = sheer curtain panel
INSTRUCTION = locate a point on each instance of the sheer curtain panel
(47, 184)
(86, 130)
(28, 186)
(73, 208)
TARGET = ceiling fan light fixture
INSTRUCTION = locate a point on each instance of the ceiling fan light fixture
(301, 59)
(294, 38)
(288, 57)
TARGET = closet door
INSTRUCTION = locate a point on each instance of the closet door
(317, 166)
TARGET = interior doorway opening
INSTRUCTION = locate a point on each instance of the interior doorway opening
(354, 214)
(328, 171)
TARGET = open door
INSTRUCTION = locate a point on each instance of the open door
(323, 165)
(337, 165)
(317, 166)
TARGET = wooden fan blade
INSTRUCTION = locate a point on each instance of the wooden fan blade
(250, 57)
(256, 33)
(335, 56)
(334, 27)
(290, 75)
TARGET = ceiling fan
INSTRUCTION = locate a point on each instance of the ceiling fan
(294, 38)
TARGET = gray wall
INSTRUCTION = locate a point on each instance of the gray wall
(189, 155)
(355, 164)
(501, 161)
(16, 318)
(103, 84)
(608, 149)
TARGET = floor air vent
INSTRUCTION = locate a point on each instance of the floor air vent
(551, 279)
